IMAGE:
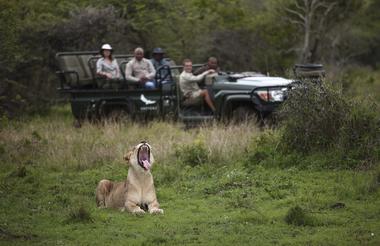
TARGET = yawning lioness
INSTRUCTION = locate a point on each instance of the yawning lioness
(137, 191)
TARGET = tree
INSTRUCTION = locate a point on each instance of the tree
(315, 18)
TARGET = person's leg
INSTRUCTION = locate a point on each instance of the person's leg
(208, 100)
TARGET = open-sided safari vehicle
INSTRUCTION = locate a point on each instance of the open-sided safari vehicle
(236, 95)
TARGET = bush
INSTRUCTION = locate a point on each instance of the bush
(80, 214)
(297, 216)
(193, 154)
(319, 118)
(266, 151)
(360, 133)
(312, 117)
(262, 150)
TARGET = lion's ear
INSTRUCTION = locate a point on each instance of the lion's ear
(127, 156)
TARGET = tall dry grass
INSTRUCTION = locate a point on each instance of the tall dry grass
(54, 143)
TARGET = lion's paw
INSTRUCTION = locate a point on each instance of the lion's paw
(138, 211)
(156, 211)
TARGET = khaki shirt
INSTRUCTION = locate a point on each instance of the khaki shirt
(188, 82)
(137, 69)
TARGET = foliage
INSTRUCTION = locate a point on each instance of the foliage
(193, 154)
(318, 111)
(360, 82)
(297, 216)
(319, 25)
(80, 215)
(330, 121)
(360, 133)
(244, 35)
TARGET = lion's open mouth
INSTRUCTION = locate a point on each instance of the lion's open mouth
(143, 156)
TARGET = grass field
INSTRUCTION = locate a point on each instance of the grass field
(210, 192)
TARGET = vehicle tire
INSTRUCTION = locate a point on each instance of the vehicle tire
(243, 114)
(114, 113)
(117, 115)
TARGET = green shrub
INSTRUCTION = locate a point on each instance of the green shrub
(298, 216)
(20, 172)
(80, 214)
(265, 151)
(312, 117)
(360, 133)
(193, 154)
(167, 174)
(262, 150)
(319, 118)
(359, 81)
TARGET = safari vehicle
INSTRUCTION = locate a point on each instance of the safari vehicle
(236, 95)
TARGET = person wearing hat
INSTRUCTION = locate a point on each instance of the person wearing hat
(107, 66)
(159, 61)
(158, 58)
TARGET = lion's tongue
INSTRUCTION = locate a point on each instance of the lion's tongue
(146, 164)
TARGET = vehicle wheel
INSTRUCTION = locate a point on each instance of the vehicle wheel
(117, 115)
(114, 113)
(244, 114)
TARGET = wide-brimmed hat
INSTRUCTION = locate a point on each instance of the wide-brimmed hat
(106, 47)
(158, 51)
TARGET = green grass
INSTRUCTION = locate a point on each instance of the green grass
(49, 172)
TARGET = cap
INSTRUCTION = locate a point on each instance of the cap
(158, 51)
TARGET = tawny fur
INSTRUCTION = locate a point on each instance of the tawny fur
(137, 190)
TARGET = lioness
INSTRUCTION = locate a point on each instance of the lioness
(137, 191)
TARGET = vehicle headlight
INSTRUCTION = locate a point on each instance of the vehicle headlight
(272, 94)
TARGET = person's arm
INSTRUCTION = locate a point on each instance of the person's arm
(165, 62)
(155, 65)
(151, 70)
(117, 68)
(183, 83)
(194, 78)
(99, 67)
(200, 70)
(129, 72)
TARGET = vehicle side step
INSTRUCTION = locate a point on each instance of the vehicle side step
(196, 117)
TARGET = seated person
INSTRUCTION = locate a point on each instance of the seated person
(107, 66)
(158, 58)
(212, 63)
(159, 61)
(140, 70)
(189, 86)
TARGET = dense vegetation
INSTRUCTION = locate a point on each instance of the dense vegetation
(268, 36)
(314, 179)
(218, 185)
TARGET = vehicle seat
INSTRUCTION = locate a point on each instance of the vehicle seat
(74, 69)
(102, 82)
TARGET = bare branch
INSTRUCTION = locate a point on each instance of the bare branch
(295, 13)
(324, 17)
(329, 8)
(298, 6)
(297, 22)
(314, 5)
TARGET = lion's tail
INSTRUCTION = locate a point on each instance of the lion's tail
(102, 190)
